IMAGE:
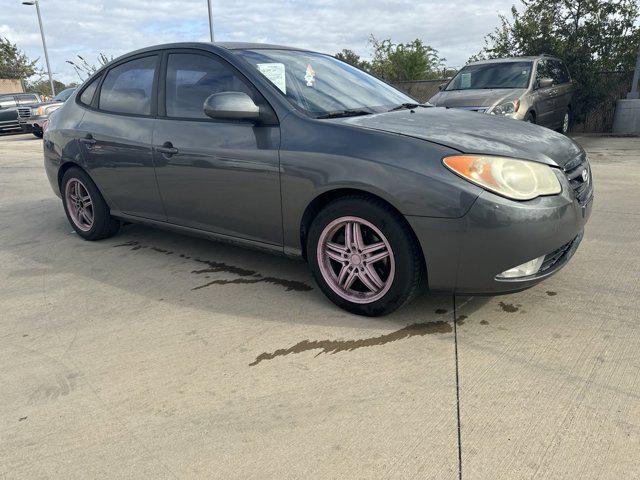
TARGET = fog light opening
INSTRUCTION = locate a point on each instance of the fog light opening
(526, 269)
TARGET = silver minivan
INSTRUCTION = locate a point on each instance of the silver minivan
(534, 89)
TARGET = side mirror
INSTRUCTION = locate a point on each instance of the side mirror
(231, 106)
(441, 86)
(545, 82)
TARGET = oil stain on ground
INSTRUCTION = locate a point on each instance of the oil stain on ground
(509, 307)
(335, 346)
(215, 267)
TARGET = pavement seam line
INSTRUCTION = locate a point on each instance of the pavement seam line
(455, 343)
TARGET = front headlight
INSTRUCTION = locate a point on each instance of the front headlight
(46, 110)
(509, 177)
(506, 108)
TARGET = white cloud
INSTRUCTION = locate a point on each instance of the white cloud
(455, 28)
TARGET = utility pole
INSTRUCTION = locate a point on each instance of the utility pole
(210, 20)
(44, 43)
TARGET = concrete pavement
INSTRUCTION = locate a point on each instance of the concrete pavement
(154, 355)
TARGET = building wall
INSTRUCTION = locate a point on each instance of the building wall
(10, 85)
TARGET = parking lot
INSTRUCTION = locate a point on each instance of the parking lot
(162, 356)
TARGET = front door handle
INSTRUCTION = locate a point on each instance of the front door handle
(167, 149)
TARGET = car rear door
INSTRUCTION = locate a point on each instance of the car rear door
(564, 88)
(116, 132)
(219, 176)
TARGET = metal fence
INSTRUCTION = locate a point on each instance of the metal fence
(598, 120)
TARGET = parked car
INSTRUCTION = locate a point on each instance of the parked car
(32, 119)
(301, 154)
(534, 89)
(10, 104)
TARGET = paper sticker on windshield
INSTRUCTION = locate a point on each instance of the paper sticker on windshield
(310, 76)
(276, 73)
(465, 80)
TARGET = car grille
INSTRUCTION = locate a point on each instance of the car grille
(554, 257)
(24, 112)
(578, 172)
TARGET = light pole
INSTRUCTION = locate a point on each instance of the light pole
(210, 19)
(44, 44)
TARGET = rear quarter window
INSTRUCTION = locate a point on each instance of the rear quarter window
(87, 94)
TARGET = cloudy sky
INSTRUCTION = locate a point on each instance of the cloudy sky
(456, 28)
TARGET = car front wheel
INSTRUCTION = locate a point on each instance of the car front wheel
(86, 210)
(364, 256)
(566, 121)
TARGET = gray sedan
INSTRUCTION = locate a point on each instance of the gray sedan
(300, 154)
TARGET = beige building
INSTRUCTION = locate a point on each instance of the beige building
(10, 85)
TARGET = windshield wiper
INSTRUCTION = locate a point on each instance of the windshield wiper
(404, 106)
(344, 113)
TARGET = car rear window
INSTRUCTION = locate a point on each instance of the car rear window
(127, 87)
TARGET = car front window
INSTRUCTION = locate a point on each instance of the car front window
(492, 75)
(322, 85)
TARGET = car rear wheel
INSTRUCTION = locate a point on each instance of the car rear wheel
(86, 210)
(37, 133)
(530, 118)
(364, 257)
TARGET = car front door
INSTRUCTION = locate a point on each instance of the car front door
(219, 176)
(8, 112)
(545, 104)
(115, 135)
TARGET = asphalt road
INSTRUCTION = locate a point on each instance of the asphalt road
(154, 355)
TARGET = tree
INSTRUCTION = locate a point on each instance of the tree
(43, 87)
(84, 69)
(352, 58)
(13, 62)
(592, 36)
(404, 61)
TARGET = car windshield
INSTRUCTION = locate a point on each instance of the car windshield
(63, 95)
(322, 85)
(492, 75)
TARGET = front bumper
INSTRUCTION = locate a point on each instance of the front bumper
(464, 255)
(31, 124)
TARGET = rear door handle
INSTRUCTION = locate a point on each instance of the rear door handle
(167, 148)
(88, 140)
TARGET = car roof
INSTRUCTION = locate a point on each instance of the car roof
(213, 45)
(530, 58)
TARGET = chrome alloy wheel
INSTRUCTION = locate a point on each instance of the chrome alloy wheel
(356, 260)
(79, 204)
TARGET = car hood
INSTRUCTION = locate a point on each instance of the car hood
(476, 98)
(471, 132)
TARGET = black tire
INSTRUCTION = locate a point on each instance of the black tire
(104, 225)
(409, 265)
(530, 117)
(37, 133)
